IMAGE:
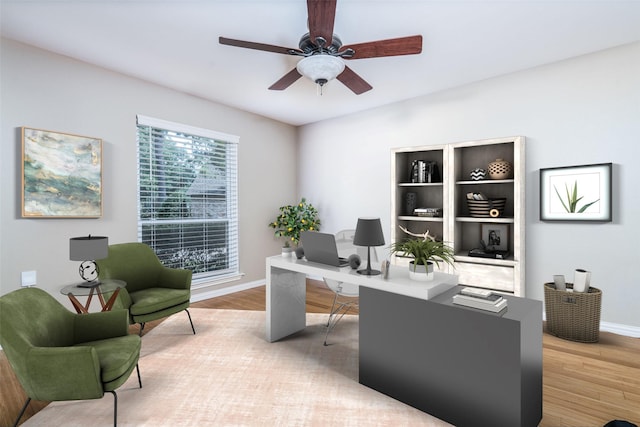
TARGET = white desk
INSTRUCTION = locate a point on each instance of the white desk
(286, 289)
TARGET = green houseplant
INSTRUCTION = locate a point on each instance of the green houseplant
(425, 253)
(293, 220)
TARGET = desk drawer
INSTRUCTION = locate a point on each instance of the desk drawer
(486, 276)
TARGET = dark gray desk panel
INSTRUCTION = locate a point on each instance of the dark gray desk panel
(465, 366)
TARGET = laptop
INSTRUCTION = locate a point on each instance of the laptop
(321, 248)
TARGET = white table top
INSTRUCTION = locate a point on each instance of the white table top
(398, 280)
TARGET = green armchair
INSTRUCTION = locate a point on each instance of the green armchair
(153, 291)
(60, 355)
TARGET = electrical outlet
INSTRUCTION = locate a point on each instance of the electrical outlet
(28, 278)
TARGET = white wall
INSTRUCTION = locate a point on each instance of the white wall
(43, 90)
(580, 111)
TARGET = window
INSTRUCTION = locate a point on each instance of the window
(187, 197)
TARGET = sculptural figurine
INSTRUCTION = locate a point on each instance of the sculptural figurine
(425, 236)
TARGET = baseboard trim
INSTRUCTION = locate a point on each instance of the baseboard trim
(617, 328)
(614, 328)
(226, 290)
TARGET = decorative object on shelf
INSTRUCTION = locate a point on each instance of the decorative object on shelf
(88, 250)
(581, 280)
(558, 280)
(428, 212)
(354, 261)
(293, 220)
(61, 175)
(368, 233)
(410, 202)
(576, 193)
(424, 172)
(573, 316)
(299, 252)
(500, 169)
(287, 251)
(425, 252)
(432, 172)
(478, 174)
(424, 236)
(482, 207)
(495, 237)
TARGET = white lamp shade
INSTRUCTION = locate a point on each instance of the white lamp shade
(320, 68)
(88, 248)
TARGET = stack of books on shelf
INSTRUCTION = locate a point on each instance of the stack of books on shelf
(481, 299)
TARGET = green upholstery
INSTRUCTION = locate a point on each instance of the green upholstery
(153, 291)
(60, 355)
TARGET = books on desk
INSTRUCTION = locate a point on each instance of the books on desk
(481, 299)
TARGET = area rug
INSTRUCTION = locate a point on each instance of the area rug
(229, 375)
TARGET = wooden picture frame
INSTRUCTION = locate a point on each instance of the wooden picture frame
(576, 193)
(495, 236)
(61, 175)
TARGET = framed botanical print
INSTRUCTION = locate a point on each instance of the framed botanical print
(61, 175)
(576, 193)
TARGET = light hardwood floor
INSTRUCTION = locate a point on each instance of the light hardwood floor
(585, 385)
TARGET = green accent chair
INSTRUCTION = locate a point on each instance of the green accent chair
(60, 355)
(153, 291)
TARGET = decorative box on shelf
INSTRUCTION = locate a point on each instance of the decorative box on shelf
(574, 316)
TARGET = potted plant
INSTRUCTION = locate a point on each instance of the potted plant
(292, 221)
(425, 252)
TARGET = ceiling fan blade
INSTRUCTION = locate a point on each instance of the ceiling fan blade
(391, 47)
(322, 14)
(258, 46)
(286, 81)
(353, 81)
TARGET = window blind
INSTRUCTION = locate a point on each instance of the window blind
(187, 196)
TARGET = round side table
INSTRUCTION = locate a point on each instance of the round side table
(89, 290)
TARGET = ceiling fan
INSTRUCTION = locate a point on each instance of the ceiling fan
(323, 53)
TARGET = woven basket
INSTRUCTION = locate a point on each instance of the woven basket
(573, 316)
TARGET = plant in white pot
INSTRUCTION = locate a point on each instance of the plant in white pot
(425, 253)
(292, 221)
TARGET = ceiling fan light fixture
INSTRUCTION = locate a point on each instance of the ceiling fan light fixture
(321, 69)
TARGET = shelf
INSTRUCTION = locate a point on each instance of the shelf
(455, 162)
(420, 184)
(421, 218)
(499, 220)
(509, 262)
(486, 181)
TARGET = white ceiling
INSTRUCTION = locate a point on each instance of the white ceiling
(174, 43)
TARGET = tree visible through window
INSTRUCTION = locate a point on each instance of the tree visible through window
(187, 201)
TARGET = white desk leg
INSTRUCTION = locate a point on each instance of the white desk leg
(286, 303)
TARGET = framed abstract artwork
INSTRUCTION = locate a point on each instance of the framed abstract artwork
(576, 193)
(61, 175)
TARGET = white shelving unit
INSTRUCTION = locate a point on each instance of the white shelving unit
(457, 226)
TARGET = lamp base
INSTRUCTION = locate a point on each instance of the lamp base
(369, 272)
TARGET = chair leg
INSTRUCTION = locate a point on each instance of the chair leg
(333, 311)
(190, 321)
(141, 329)
(115, 408)
(24, 408)
(139, 378)
(335, 315)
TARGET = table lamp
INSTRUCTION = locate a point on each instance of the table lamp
(88, 250)
(368, 233)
